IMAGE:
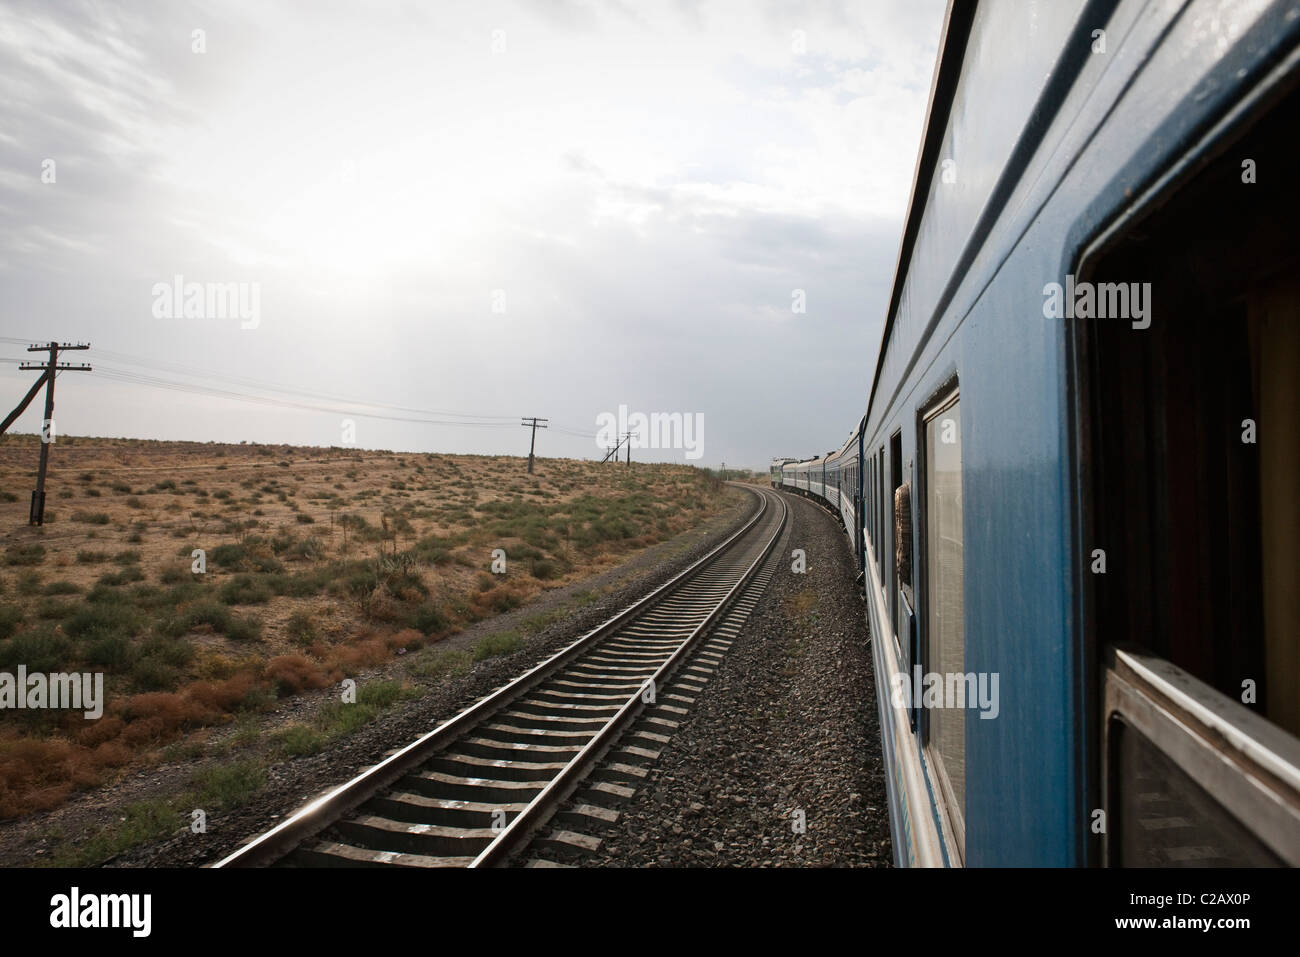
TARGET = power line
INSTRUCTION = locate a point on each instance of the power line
(345, 405)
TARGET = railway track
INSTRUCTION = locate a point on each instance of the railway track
(480, 788)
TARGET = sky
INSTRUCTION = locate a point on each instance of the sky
(407, 225)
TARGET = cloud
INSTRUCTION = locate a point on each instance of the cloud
(645, 184)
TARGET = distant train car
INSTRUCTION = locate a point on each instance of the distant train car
(1076, 484)
(777, 470)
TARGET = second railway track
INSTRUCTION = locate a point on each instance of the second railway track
(476, 790)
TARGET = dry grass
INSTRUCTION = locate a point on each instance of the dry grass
(319, 563)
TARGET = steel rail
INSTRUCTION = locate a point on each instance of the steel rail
(318, 815)
(516, 835)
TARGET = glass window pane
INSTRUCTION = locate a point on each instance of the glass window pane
(943, 580)
(1166, 819)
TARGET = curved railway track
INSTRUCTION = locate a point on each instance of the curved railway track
(476, 790)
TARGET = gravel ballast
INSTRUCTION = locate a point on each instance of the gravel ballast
(778, 761)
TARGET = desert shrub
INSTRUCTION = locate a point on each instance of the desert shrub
(244, 628)
(91, 557)
(299, 740)
(235, 693)
(436, 664)
(185, 592)
(109, 651)
(124, 577)
(40, 649)
(91, 518)
(32, 554)
(245, 590)
(156, 715)
(499, 599)
(300, 628)
(49, 609)
(379, 694)
(169, 651)
(211, 614)
(105, 619)
(228, 556)
(62, 588)
(545, 569)
(11, 616)
(400, 575)
(429, 619)
(176, 575)
(308, 549)
(304, 584)
(502, 643)
(150, 674)
(291, 674)
(28, 583)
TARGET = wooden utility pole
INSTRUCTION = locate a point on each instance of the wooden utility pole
(535, 424)
(613, 453)
(627, 437)
(50, 371)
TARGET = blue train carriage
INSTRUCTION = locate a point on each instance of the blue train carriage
(816, 476)
(801, 476)
(831, 488)
(1079, 463)
(842, 481)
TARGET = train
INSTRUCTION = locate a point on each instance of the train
(1072, 496)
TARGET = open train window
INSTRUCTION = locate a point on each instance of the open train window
(942, 599)
(1191, 445)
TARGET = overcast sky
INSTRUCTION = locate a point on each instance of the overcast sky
(487, 208)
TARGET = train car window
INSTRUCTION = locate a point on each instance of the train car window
(945, 648)
(895, 467)
(875, 522)
(875, 507)
(869, 506)
(1191, 444)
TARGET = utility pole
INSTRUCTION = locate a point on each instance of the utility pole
(535, 423)
(50, 371)
(627, 437)
(613, 453)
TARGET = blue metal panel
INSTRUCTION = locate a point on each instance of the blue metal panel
(1008, 59)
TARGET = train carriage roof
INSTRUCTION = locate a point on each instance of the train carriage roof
(957, 20)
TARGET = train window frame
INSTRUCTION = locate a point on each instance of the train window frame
(1246, 764)
(942, 399)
